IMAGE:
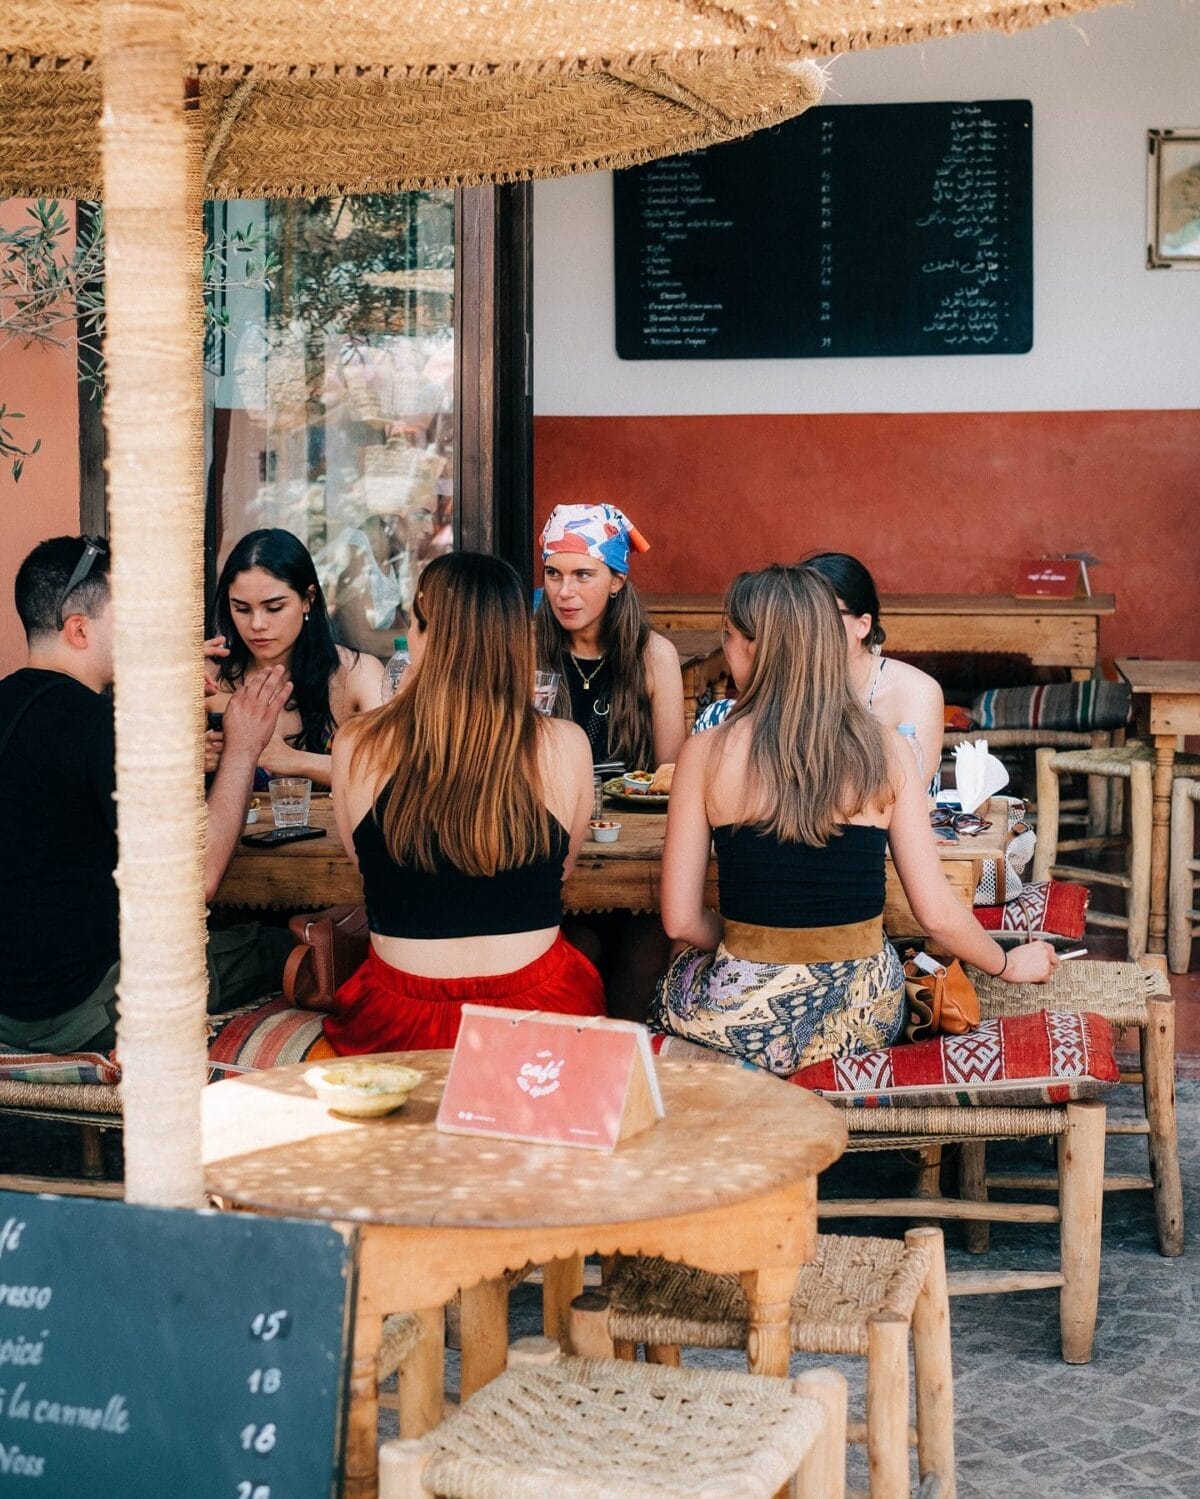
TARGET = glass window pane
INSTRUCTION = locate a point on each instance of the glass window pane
(331, 396)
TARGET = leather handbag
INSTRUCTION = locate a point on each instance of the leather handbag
(330, 946)
(941, 998)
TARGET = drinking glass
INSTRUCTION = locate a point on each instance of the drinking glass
(545, 690)
(290, 796)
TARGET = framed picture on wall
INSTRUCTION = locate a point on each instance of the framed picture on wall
(1173, 199)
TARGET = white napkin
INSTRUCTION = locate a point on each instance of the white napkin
(977, 774)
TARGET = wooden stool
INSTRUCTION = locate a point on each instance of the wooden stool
(1131, 762)
(1127, 996)
(1079, 1129)
(859, 1296)
(550, 1427)
(1183, 923)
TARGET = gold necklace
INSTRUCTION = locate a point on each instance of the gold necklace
(588, 678)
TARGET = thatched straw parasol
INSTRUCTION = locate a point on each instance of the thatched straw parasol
(316, 97)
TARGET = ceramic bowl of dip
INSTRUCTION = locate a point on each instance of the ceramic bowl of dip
(362, 1089)
(604, 830)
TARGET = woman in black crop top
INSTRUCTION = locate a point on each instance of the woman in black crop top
(465, 810)
(802, 793)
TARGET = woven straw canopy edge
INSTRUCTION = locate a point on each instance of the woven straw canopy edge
(317, 97)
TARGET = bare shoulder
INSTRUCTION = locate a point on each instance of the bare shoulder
(661, 655)
(563, 739)
(915, 684)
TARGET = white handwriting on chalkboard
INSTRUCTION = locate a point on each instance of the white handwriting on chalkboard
(25, 1298)
(21, 1350)
(264, 1381)
(10, 1235)
(112, 1417)
(268, 1325)
(13, 1460)
(248, 1490)
(259, 1438)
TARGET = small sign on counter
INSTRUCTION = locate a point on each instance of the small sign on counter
(550, 1079)
(1053, 578)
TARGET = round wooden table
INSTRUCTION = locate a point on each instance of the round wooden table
(726, 1182)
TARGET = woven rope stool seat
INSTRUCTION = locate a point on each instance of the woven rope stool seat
(1183, 919)
(859, 1296)
(1126, 995)
(602, 1428)
(94, 1107)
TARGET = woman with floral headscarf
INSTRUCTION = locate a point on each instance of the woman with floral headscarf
(618, 680)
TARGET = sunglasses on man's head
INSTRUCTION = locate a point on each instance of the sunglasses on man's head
(93, 547)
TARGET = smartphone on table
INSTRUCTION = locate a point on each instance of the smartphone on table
(276, 836)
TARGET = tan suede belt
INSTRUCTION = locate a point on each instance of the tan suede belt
(804, 944)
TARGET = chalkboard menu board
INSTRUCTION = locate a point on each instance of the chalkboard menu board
(147, 1353)
(854, 230)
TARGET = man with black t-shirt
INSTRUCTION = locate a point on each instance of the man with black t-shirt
(58, 900)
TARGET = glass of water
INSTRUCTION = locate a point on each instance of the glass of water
(545, 690)
(290, 796)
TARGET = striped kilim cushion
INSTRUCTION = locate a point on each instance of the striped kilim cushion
(265, 1035)
(1061, 705)
(1021, 1060)
(48, 1067)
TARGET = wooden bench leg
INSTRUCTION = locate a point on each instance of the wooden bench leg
(91, 1140)
(932, 1365)
(562, 1281)
(1141, 837)
(1081, 1204)
(587, 1327)
(1181, 890)
(423, 1376)
(1046, 848)
(972, 1187)
(887, 1405)
(1158, 1090)
(822, 1475)
(484, 1335)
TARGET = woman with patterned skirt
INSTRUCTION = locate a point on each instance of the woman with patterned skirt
(802, 792)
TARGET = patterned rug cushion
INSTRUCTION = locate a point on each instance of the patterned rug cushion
(265, 1035)
(1055, 908)
(49, 1067)
(1046, 1057)
(1092, 704)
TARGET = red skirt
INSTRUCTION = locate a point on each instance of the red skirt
(381, 1008)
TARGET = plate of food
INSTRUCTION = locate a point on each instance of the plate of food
(648, 789)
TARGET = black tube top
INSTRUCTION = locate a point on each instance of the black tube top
(404, 901)
(768, 883)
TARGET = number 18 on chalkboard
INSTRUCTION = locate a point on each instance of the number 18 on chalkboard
(854, 230)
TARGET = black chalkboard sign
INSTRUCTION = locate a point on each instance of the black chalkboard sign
(148, 1352)
(854, 230)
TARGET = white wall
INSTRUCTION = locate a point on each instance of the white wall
(1108, 334)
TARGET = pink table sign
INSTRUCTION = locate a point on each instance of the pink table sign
(553, 1079)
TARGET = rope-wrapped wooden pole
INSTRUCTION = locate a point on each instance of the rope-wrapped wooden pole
(153, 495)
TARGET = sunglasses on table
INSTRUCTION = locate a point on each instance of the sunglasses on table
(93, 547)
(968, 823)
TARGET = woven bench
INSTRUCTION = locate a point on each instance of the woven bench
(860, 1296)
(550, 1428)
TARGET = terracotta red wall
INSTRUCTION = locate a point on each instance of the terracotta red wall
(932, 503)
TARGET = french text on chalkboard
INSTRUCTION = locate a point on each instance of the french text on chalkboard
(855, 230)
(148, 1352)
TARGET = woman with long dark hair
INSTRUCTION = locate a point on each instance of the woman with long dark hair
(891, 691)
(802, 792)
(618, 680)
(271, 612)
(465, 810)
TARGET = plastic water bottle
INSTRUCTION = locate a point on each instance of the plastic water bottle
(908, 732)
(393, 672)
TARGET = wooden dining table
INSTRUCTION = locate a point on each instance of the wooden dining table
(621, 876)
(725, 1182)
(1167, 701)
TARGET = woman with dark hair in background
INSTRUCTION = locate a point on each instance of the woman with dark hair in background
(270, 611)
(618, 680)
(801, 792)
(465, 810)
(891, 691)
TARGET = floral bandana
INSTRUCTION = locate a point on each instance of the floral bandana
(600, 531)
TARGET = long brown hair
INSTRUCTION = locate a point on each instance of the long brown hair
(460, 742)
(816, 756)
(624, 632)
